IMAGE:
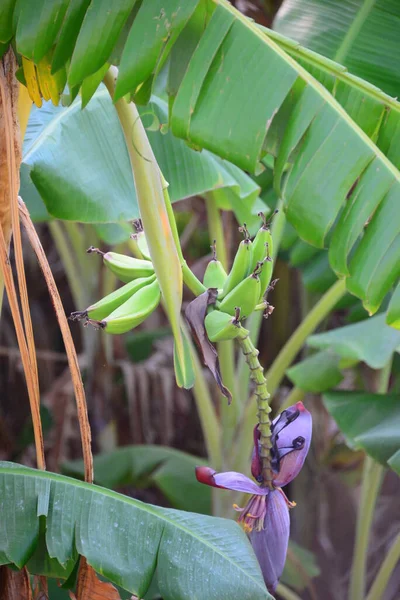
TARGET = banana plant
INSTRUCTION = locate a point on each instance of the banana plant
(334, 170)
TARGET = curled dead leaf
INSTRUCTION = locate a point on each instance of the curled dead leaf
(89, 586)
(195, 314)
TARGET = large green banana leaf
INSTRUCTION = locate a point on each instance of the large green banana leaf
(76, 161)
(150, 465)
(370, 422)
(363, 35)
(47, 520)
(238, 94)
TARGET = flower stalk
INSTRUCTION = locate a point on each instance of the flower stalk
(250, 353)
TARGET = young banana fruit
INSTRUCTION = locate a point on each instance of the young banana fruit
(104, 307)
(244, 296)
(215, 274)
(220, 326)
(133, 311)
(262, 252)
(140, 238)
(126, 268)
(241, 264)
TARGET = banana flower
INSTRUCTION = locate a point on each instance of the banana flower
(265, 518)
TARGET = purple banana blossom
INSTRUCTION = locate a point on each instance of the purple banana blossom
(265, 518)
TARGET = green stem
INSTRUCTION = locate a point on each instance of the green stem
(255, 321)
(382, 579)
(286, 593)
(230, 413)
(226, 350)
(296, 341)
(253, 324)
(208, 417)
(371, 482)
(295, 395)
(189, 277)
(262, 395)
(69, 260)
(216, 230)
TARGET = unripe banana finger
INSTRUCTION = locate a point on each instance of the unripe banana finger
(134, 311)
(245, 296)
(104, 307)
(241, 264)
(221, 326)
(266, 273)
(140, 238)
(126, 268)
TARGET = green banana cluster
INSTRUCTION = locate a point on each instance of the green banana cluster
(131, 304)
(243, 288)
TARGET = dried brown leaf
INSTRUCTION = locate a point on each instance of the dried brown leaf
(14, 585)
(195, 314)
(68, 342)
(89, 586)
(10, 159)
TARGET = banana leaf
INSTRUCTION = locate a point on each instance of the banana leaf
(48, 520)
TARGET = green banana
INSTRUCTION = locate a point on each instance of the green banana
(101, 309)
(134, 310)
(244, 296)
(266, 273)
(220, 326)
(215, 274)
(140, 238)
(241, 264)
(262, 238)
(126, 268)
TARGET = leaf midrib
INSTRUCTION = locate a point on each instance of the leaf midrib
(21, 470)
(354, 30)
(305, 75)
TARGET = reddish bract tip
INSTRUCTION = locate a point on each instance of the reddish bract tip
(206, 475)
(300, 406)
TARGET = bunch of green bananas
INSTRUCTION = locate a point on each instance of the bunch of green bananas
(131, 304)
(244, 288)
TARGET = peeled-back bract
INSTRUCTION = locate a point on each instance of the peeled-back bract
(271, 542)
(291, 464)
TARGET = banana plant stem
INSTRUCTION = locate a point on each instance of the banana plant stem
(296, 341)
(216, 230)
(208, 418)
(370, 486)
(69, 263)
(286, 593)
(295, 395)
(189, 277)
(371, 481)
(382, 579)
(262, 396)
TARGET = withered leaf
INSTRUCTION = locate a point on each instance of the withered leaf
(195, 314)
(89, 586)
(14, 585)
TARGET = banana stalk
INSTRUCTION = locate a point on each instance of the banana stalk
(154, 215)
(257, 375)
